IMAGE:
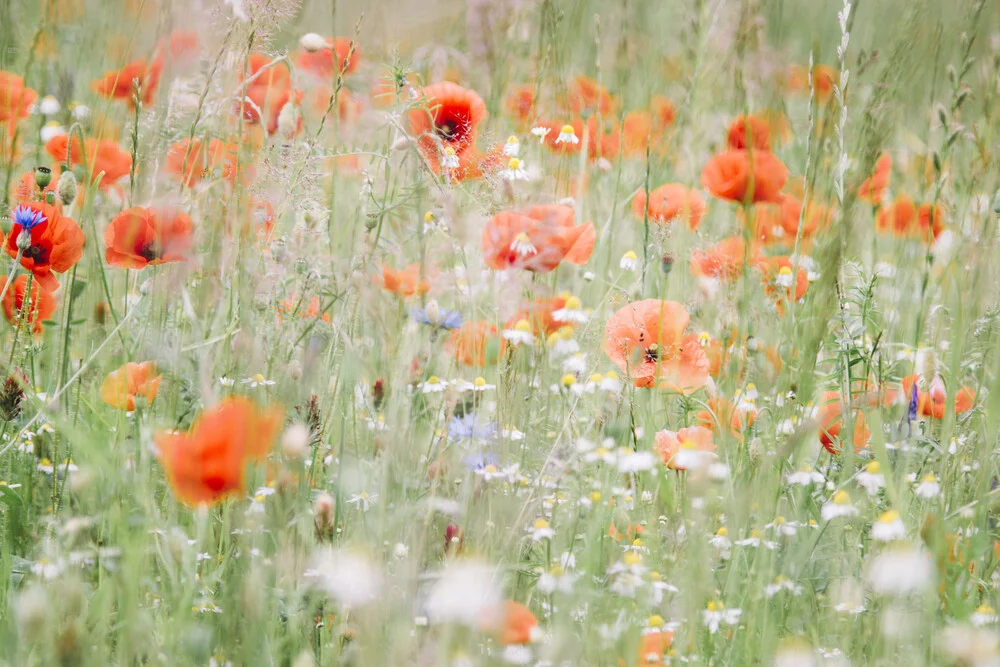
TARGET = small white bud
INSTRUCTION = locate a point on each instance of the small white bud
(312, 42)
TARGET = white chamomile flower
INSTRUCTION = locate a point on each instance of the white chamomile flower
(784, 277)
(567, 135)
(984, 615)
(721, 542)
(257, 380)
(756, 540)
(871, 478)
(541, 133)
(79, 111)
(629, 261)
(480, 384)
(520, 334)
(49, 106)
(900, 571)
(515, 170)
(51, 130)
(512, 434)
(226, 381)
(512, 147)
(783, 527)
(363, 500)
(541, 531)
(575, 363)
(522, 246)
(928, 488)
(781, 584)
(572, 311)
(433, 385)
(840, 505)
(715, 614)
(889, 527)
(610, 382)
(804, 476)
(450, 159)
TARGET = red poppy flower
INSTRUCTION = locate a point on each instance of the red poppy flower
(181, 45)
(874, 187)
(823, 79)
(779, 223)
(141, 237)
(197, 158)
(722, 414)
(511, 623)
(664, 112)
(637, 132)
(831, 422)
(742, 176)
(121, 387)
(55, 241)
(330, 61)
(539, 316)
(477, 343)
(104, 158)
(120, 84)
(646, 341)
(586, 96)
(41, 304)
(403, 282)
(520, 102)
(267, 91)
(27, 189)
(537, 239)
(301, 308)
(670, 202)
(905, 220)
(933, 402)
(653, 647)
(15, 98)
(750, 131)
(451, 116)
(725, 260)
(687, 449)
(208, 463)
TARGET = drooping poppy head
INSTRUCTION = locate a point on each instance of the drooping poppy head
(725, 260)
(207, 464)
(121, 84)
(669, 202)
(192, 160)
(874, 188)
(690, 448)
(123, 386)
(511, 623)
(53, 241)
(646, 341)
(141, 237)
(749, 131)
(477, 343)
(744, 177)
(328, 62)
(15, 98)
(537, 239)
(450, 115)
(28, 311)
(403, 282)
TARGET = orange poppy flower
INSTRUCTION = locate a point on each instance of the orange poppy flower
(520, 102)
(779, 223)
(725, 260)
(783, 281)
(27, 189)
(637, 132)
(56, 242)
(121, 387)
(742, 176)
(181, 45)
(646, 341)
(477, 343)
(404, 282)
(102, 157)
(15, 98)
(208, 463)
(721, 413)
(687, 449)
(336, 57)
(41, 303)
(664, 112)
(293, 305)
(603, 139)
(824, 77)
(874, 187)
(653, 646)
(267, 91)
(930, 220)
(750, 131)
(451, 117)
(933, 402)
(586, 96)
(141, 237)
(538, 314)
(511, 623)
(120, 84)
(537, 239)
(831, 422)
(670, 202)
(193, 160)
(905, 220)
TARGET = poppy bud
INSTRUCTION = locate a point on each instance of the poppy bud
(312, 42)
(667, 263)
(288, 121)
(43, 176)
(6, 224)
(50, 198)
(66, 188)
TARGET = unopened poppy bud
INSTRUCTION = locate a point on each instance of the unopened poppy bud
(667, 263)
(24, 240)
(295, 442)
(50, 198)
(140, 402)
(288, 121)
(312, 42)
(43, 176)
(67, 187)
(6, 224)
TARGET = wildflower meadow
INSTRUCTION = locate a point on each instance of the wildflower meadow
(499, 332)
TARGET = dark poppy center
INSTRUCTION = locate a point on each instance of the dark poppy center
(150, 251)
(446, 130)
(652, 354)
(38, 253)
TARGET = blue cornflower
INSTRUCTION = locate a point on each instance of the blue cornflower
(431, 314)
(27, 217)
(468, 427)
(913, 403)
(480, 461)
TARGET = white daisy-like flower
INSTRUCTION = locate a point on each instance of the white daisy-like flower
(784, 277)
(512, 433)
(79, 111)
(512, 147)
(541, 530)
(756, 540)
(928, 488)
(575, 363)
(49, 106)
(611, 383)
(805, 476)
(781, 584)
(889, 527)
(783, 527)
(46, 569)
(572, 311)
(257, 380)
(362, 500)
(522, 246)
(377, 424)
(722, 542)
(433, 385)
(984, 615)
(479, 384)
(541, 133)
(871, 478)
(51, 130)
(450, 160)
(715, 615)
(900, 571)
(839, 506)
(629, 261)
(520, 334)
(515, 170)
(567, 135)
(226, 381)
(633, 462)
(556, 579)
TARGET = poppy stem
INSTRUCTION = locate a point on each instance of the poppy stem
(10, 276)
